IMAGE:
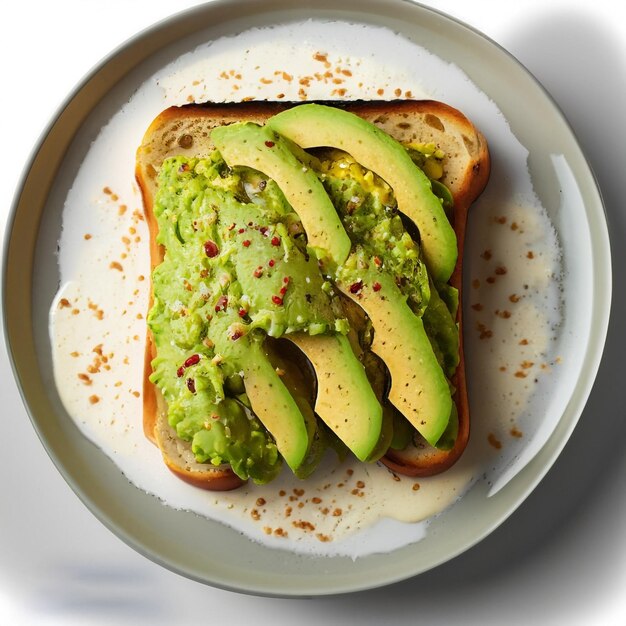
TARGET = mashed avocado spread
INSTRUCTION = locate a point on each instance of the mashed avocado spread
(237, 269)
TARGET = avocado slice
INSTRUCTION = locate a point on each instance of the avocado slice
(419, 389)
(345, 400)
(316, 125)
(260, 148)
(275, 407)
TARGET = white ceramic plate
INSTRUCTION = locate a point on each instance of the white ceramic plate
(208, 551)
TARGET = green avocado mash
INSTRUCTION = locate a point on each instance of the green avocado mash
(235, 269)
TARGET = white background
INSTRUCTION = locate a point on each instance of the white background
(561, 558)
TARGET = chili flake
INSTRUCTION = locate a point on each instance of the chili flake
(211, 249)
(356, 287)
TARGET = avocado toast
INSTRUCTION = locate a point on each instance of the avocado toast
(259, 242)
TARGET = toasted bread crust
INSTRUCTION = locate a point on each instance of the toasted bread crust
(185, 131)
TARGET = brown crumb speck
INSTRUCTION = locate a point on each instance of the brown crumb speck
(322, 57)
(494, 441)
(84, 378)
(94, 399)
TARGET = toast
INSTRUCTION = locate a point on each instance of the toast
(186, 131)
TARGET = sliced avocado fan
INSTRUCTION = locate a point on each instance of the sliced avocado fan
(419, 388)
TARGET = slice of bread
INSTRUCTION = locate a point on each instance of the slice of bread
(186, 131)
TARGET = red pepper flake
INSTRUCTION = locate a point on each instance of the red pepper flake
(378, 261)
(222, 303)
(241, 230)
(270, 144)
(191, 385)
(277, 300)
(275, 240)
(356, 287)
(194, 359)
(180, 371)
(263, 230)
(283, 291)
(286, 280)
(376, 286)
(242, 312)
(272, 263)
(211, 249)
(258, 272)
(236, 335)
(246, 243)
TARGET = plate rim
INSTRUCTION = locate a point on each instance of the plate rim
(595, 348)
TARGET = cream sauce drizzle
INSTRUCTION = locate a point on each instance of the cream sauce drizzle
(97, 321)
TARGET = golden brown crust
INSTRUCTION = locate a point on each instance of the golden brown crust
(185, 130)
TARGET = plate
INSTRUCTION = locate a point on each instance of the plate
(192, 545)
